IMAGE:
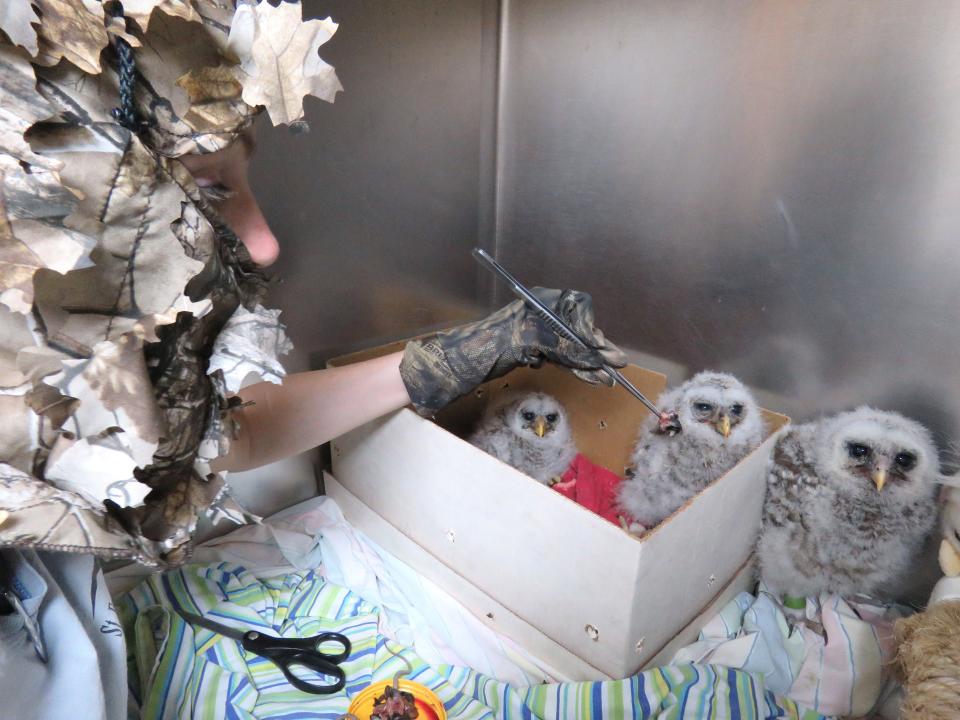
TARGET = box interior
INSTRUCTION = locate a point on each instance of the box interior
(605, 420)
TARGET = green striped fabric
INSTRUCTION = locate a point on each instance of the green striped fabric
(181, 671)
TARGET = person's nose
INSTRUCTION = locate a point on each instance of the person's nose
(246, 219)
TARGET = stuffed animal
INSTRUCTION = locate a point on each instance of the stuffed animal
(928, 656)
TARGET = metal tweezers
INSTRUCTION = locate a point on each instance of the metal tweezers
(560, 327)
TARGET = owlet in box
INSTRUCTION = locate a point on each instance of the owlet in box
(531, 433)
(721, 424)
(850, 501)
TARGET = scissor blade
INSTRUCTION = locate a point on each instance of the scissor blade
(213, 626)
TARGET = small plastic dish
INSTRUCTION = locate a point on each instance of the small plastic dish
(428, 704)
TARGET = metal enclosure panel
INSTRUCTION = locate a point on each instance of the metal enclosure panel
(378, 206)
(770, 187)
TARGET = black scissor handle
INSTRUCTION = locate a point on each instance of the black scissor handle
(256, 641)
(287, 652)
(287, 659)
(313, 644)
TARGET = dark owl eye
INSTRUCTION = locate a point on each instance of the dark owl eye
(858, 451)
(737, 410)
(905, 460)
(703, 407)
(552, 418)
(528, 416)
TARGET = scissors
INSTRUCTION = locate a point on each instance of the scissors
(288, 652)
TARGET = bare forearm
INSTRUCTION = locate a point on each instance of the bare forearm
(310, 408)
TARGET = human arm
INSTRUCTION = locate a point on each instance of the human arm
(314, 407)
(311, 408)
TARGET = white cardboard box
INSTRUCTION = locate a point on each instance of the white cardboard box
(572, 588)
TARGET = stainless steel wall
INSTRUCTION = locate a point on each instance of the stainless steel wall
(379, 205)
(770, 188)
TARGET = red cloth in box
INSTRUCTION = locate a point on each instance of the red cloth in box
(592, 486)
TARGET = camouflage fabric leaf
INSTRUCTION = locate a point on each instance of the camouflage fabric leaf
(33, 207)
(16, 20)
(221, 427)
(193, 106)
(140, 268)
(21, 432)
(172, 48)
(22, 106)
(14, 335)
(48, 518)
(173, 514)
(117, 27)
(50, 404)
(210, 90)
(114, 392)
(24, 355)
(33, 202)
(98, 468)
(211, 83)
(72, 29)
(279, 58)
(81, 102)
(31, 414)
(249, 345)
(140, 10)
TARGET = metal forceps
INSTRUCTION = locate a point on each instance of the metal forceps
(288, 652)
(557, 324)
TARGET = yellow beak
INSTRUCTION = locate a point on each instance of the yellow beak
(723, 426)
(879, 478)
(540, 426)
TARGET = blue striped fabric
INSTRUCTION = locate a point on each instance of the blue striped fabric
(181, 671)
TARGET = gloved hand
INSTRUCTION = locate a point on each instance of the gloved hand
(441, 368)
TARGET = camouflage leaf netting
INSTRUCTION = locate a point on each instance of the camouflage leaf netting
(128, 310)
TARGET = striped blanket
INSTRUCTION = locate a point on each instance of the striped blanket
(182, 671)
(834, 655)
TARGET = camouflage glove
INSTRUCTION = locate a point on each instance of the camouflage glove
(443, 367)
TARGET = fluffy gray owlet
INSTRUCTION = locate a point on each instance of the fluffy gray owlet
(721, 424)
(850, 500)
(529, 432)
